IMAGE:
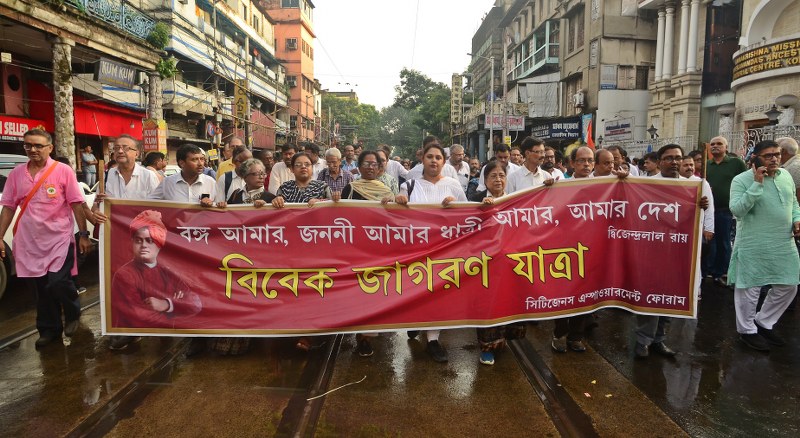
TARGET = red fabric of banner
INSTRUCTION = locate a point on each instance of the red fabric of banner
(357, 266)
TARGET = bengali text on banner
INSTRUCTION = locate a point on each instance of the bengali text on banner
(352, 266)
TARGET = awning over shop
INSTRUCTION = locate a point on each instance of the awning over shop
(92, 117)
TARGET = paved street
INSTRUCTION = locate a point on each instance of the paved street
(714, 388)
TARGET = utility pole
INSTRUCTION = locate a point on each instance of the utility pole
(491, 110)
(505, 88)
(247, 91)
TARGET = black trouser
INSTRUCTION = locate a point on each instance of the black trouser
(55, 291)
(572, 327)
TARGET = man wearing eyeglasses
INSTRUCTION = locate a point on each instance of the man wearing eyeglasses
(720, 171)
(232, 180)
(651, 330)
(49, 197)
(128, 180)
(764, 202)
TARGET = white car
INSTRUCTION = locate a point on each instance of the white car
(8, 162)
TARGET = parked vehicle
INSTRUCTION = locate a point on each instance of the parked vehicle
(8, 162)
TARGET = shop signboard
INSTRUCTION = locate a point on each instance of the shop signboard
(115, 74)
(561, 129)
(618, 130)
(13, 128)
(154, 135)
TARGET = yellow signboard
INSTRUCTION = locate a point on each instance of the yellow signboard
(240, 101)
(154, 136)
(767, 58)
(213, 154)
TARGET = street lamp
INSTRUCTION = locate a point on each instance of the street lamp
(773, 114)
(491, 95)
(653, 131)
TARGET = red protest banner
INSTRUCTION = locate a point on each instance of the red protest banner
(350, 266)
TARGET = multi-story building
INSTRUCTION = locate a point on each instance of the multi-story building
(294, 44)
(607, 49)
(219, 44)
(75, 70)
(486, 59)
(765, 75)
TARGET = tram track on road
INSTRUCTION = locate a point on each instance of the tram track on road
(30, 330)
(569, 419)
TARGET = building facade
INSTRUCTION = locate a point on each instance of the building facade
(75, 71)
(294, 47)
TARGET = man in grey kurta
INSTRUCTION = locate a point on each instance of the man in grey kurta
(765, 206)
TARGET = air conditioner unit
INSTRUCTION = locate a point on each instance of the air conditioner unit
(291, 82)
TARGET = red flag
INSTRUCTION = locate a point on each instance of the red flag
(589, 140)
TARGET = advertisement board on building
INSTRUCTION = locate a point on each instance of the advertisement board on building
(154, 135)
(559, 130)
(115, 74)
(240, 100)
(608, 77)
(515, 123)
(13, 128)
(766, 58)
(618, 130)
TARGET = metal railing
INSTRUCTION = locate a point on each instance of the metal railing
(742, 142)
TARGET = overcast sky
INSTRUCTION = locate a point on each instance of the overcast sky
(363, 44)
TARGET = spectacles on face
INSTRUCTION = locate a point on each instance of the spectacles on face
(301, 165)
(717, 143)
(122, 148)
(370, 164)
(258, 174)
(585, 161)
(37, 146)
(771, 156)
(496, 176)
(672, 158)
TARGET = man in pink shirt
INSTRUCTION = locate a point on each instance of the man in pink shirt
(44, 246)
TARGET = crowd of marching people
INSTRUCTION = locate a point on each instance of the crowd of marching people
(759, 197)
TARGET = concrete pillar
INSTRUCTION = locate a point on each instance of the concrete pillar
(669, 31)
(726, 126)
(684, 36)
(691, 64)
(482, 146)
(155, 96)
(62, 99)
(786, 117)
(659, 45)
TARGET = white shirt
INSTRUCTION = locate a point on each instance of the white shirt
(447, 170)
(426, 192)
(704, 215)
(279, 175)
(236, 183)
(396, 170)
(556, 174)
(707, 215)
(174, 188)
(463, 173)
(318, 167)
(511, 168)
(142, 183)
(523, 178)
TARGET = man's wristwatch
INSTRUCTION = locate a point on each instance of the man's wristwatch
(83, 233)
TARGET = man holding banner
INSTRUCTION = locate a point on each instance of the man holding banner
(128, 180)
(651, 330)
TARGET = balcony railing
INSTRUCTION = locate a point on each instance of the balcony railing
(742, 142)
(118, 14)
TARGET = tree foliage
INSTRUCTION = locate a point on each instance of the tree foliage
(399, 130)
(364, 119)
(428, 100)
